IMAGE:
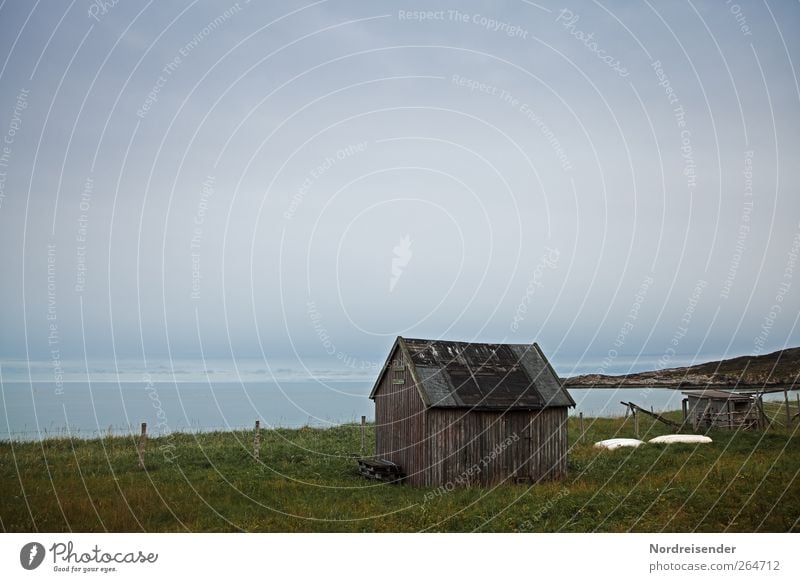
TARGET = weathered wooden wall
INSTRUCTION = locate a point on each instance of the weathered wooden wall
(484, 448)
(400, 425)
(715, 413)
(456, 447)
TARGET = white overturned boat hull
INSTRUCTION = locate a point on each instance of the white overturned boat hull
(611, 444)
(690, 439)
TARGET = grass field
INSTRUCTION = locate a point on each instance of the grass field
(306, 481)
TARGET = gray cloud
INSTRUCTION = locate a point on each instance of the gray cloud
(245, 163)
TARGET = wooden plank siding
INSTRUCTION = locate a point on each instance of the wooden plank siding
(466, 447)
(399, 423)
(452, 446)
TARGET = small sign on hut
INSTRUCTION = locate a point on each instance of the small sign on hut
(456, 413)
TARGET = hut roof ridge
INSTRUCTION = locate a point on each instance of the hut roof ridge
(492, 376)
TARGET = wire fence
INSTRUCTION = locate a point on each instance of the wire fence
(76, 433)
(774, 402)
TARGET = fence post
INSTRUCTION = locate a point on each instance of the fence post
(142, 444)
(580, 417)
(766, 422)
(257, 440)
(635, 423)
(788, 412)
(363, 433)
(798, 405)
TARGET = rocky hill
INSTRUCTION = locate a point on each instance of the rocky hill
(781, 367)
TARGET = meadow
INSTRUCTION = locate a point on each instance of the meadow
(306, 480)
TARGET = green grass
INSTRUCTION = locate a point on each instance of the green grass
(306, 481)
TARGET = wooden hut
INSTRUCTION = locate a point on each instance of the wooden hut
(454, 413)
(706, 409)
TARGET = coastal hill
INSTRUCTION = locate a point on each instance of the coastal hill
(777, 368)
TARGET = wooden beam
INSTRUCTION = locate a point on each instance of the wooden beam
(257, 441)
(363, 433)
(635, 407)
(788, 412)
(142, 443)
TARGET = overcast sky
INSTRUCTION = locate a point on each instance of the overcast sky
(310, 180)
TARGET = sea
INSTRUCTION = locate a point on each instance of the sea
(116, 399)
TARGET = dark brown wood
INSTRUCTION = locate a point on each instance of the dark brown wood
(363, 433)
(788, 412)
(761, 414)
(399, 422)
(380, 470)
(635, 407)
(142, 444)
(720, 409)
(257, 441)
(449, 446)
(699, 419)
(485, 448)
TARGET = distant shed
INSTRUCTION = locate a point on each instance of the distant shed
(456, 413)
(706, 409)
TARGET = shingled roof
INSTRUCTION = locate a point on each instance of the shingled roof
(451, 374)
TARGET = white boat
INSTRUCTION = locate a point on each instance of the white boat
(680, 438)
(611, 444)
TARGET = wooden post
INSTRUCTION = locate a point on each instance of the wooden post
(142, 444)
(788, 412)
(685, 408)
(730, 414)
(762, 415)
(635, 422)
(702, 418)
(257, 440)
(363, 433)
(759, 420)
(580, 416)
